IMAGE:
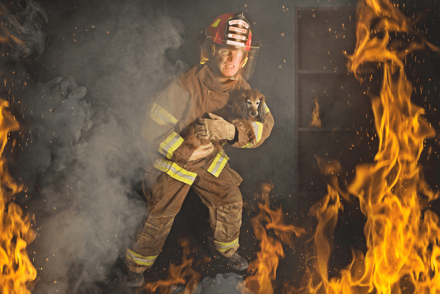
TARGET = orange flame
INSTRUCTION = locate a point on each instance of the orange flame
(16, 269)
(316, 120)
(402, 239)
(263, 268)
(178, 275)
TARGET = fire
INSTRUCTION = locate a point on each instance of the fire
(16, 269)
(316, 120)
(402, 235)
(182, 274)
(263, 268)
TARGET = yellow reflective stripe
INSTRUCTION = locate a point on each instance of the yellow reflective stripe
(140, 259)
(222, 247)
(161, 116)
(265, 108)
(218, 164)
(258, 130)
(175, 171)
(170, 144)
(248, 145)
(215, 24)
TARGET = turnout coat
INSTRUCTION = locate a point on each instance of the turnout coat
(170, 176)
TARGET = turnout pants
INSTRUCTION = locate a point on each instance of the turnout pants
(165, 197)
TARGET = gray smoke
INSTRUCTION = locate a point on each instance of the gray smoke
(20, 30)
(84, 153)
(229, 283)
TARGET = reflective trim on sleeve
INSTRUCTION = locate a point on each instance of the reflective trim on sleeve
(222, 247)
(140, 259)
(218, 164)
(161, 116)
(170, 144)
(265, 108)
(258, 130)
(175, 171)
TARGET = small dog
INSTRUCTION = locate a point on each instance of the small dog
(247, 106)
(244, 105)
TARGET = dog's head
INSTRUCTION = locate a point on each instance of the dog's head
(252, 102)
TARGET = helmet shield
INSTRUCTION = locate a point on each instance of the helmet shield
(248, 68)
(209, 49)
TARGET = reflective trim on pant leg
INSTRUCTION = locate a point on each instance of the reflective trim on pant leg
(222, 246)
(140, 259)
(227, 228)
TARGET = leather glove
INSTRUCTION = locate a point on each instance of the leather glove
(202, 152)
(214, 128)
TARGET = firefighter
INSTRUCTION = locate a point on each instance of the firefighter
(227, 60)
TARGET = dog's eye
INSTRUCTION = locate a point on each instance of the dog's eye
(258, 102)
(249, 102)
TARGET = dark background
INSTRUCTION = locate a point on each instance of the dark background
(90, 55)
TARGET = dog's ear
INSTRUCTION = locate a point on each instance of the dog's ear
(261, 108)
(244, 108)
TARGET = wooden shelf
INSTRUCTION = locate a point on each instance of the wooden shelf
(322, 34)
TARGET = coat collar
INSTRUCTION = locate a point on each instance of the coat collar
(208, 78)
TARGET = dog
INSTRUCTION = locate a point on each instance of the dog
(245, 106)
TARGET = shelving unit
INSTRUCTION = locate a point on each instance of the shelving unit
(323, 36)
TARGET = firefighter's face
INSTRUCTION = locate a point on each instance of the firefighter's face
(229, 61)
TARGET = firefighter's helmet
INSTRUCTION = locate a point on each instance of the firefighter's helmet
(232, 31)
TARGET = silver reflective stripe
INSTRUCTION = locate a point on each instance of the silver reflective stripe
(170, 144)
(175, 171)
(161, 116)
(258, 129)
(265, 108)
(140, 259)
(222, 247)
(218, 164)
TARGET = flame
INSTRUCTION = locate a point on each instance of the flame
(263, 268)
(16, 269)
(316, 120)
(402, 236)
(182, 274)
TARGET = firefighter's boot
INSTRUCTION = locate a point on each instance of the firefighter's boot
(134, 280)
(236, 261)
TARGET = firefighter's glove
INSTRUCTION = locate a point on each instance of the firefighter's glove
(202, 152)
(215, 128)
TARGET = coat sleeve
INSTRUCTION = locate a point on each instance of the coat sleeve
(262, 131)
(161, 122)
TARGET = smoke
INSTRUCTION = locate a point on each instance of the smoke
(20, 30)
(82, 153)
(229, 283)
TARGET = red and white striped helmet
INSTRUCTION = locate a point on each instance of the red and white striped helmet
(233, 31)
